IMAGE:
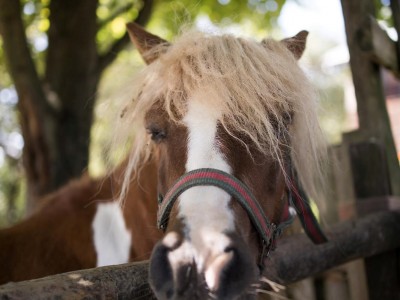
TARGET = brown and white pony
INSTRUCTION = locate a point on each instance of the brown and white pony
(80, 226)
(228, 119)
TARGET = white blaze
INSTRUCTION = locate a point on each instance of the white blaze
(205, 208)
(112, 239)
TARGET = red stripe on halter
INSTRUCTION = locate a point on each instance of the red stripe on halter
(228, 180)
(307, 217)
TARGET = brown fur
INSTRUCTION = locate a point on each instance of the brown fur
(58, 237)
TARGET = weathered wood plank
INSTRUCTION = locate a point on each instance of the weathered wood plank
(296, 258)
(369, 169)
(395, 6)
(127, 281)
(380, 47)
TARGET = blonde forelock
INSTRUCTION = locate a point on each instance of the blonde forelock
(256, 86)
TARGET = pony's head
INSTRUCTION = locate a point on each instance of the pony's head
(231, 116)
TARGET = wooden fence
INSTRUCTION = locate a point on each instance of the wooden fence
(296, 258)
(372, 159)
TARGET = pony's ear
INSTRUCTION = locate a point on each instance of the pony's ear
(144, 42)
(297, 43)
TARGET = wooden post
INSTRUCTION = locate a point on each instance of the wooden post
(368, 163)
(372, 114)
(374, 163)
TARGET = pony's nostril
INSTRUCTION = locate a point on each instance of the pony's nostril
(169, 293)
(160, 272)
(229, 249)
(229, 274)
(216, 268)
(173, 272)
(186, 279)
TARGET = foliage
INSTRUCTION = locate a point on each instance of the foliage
(11, 192)
(5, 79)
(383, 11)
(11, 179)
(112, 16)
(170, 15)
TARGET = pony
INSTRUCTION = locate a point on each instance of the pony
(232, 123)
(81, 226)
(226, 135)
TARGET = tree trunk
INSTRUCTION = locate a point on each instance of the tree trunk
(56, 112)
(70, 82)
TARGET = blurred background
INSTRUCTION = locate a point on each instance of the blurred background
(76, 131)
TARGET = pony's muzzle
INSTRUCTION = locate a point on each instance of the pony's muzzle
(173, 272)
(179, 271)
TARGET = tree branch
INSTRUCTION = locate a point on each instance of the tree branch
(32, 102)
(107, 58)
(145, 12)
(116, 13)
(143, 17)
(17, 54)
(380, 47)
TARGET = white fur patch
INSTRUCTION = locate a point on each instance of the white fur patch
(112, 240)
(205, 208)
(171, 239)
(212, 274)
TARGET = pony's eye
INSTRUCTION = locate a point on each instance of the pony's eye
(157, 135)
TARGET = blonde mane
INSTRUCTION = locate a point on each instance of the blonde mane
(258, 87)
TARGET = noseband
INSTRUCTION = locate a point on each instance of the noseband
(267, 230)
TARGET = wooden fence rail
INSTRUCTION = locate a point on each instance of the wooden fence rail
(295, 258)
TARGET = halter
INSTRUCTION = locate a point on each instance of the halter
(267, 230)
